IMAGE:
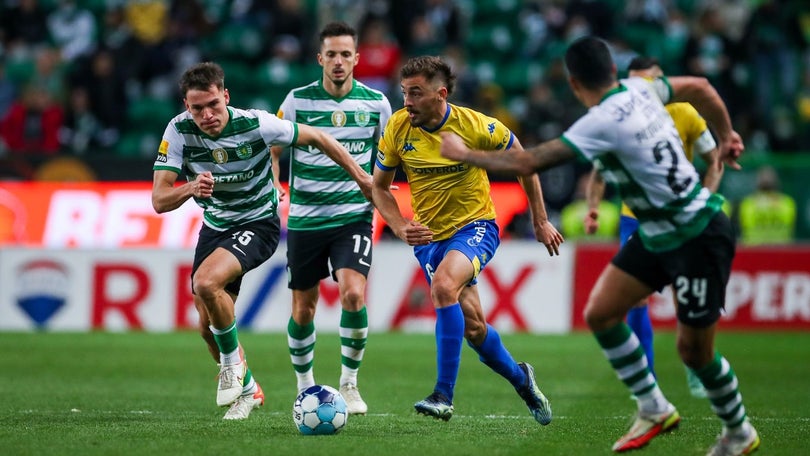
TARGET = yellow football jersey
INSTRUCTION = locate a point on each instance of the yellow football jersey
(445, 194)
(690, 126)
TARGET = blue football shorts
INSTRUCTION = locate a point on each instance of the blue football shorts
(477, 241)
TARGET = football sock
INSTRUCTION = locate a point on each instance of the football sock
(449, 334)
(249, 384)
(721, 385)
(493, 353)
(353, 336)
(622, 348)
(228, 342)
(301, 342)
(639, 320)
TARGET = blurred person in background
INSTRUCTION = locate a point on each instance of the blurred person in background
(381, 55)
(8, 90)
(79, 133)
(767, 216)
(31, 125)
(709, 52)
(774, 43)
(72, 29)
(104, 86)
(581, 209)
(23, 26)
(437, 25)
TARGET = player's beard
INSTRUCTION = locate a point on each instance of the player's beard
(417, 120)
(339, 82)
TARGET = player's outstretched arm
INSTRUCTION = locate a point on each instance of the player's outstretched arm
(704, 97)
(330, 146)
(514, 161)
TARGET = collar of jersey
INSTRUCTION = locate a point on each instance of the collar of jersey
(441, 124)
(613, 91)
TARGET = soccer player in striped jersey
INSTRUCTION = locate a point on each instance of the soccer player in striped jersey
(330, 219)
(224, 153)
(696, 137)
(453, 232)
(684, 238)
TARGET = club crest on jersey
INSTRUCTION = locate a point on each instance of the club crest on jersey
(220, 155)
(362, 117)
(244, 150)
(338, 118)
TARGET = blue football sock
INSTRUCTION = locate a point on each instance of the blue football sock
(493, 353)
(639, 321)
(449, 334)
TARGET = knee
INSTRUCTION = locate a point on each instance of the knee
(599, 316)
(205, 287)
(303, 313)
(443, 292)
(593, 318)
(352, 298)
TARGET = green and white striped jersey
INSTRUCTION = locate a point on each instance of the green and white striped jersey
(239, 160)
(632, 141)
(322, 194)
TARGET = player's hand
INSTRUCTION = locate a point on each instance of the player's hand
(453, 147)
(414, 233)
(279, 190)
(591, 221)
(365, 187)
(730, 150)
(203, 185)
(546, 233)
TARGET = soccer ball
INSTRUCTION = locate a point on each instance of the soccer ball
(319, 410)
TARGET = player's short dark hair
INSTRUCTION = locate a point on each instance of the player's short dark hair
(201, 77)
(337, 29)
(432, 68)
(642, 62)
(588, 60)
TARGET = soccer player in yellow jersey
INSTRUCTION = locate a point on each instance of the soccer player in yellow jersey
(453, 232)
(695, 136)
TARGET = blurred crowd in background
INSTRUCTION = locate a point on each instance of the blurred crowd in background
(95, 81)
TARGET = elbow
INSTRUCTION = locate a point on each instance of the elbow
(158, 207)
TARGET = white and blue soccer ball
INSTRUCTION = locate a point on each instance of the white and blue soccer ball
(320, 410)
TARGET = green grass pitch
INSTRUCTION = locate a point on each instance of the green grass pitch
(154, 394)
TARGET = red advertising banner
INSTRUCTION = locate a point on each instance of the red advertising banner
(769, 288)
(115, 215)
